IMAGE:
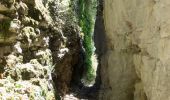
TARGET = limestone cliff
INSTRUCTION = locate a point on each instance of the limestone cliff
(136, 63)
(39, 45)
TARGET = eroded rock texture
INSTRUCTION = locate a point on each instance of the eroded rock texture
(25, 59)
(136, 64)
(37, 38)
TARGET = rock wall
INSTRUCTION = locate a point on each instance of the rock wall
(39, 45)
(136, 64)
(25, 59)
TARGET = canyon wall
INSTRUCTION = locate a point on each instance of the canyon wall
(136, 64)
(39, 45)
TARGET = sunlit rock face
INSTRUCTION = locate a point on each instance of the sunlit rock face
(25, 59)
(34, 43)
(136, 64)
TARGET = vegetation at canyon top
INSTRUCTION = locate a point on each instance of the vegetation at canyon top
(87, 13)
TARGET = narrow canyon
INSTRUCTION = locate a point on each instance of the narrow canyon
(84, 50)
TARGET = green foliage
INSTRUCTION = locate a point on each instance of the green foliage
(18, 86)
(87, 12)
(4, 27)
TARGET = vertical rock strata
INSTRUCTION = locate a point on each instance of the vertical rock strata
(136, 64)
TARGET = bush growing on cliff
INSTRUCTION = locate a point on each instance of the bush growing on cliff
(87, 13)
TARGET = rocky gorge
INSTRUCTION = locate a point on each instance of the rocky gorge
(84, 49)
